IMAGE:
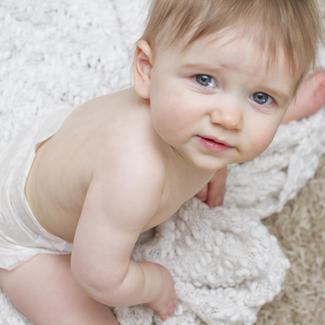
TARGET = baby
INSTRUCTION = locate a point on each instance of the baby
(213, 80)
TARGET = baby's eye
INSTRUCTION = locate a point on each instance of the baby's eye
(262, 98)
(205, 80)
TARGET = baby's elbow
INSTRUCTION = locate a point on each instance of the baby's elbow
(99, 290)
(95, 285)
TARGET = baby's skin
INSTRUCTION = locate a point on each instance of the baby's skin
(125, 163)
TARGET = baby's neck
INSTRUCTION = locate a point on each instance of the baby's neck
(184, 174)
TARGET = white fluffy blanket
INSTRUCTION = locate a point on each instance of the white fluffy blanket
(56, 54)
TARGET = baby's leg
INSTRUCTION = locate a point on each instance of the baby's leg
(44, 290)
(309, 99)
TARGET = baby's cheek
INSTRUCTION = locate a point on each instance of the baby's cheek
(170, 117)
(165, 123)
(261, 141)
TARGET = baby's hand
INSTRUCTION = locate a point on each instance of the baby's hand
(213, 193)
(166, 303)
(309, 99)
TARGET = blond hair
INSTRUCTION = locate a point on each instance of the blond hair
(294, 26)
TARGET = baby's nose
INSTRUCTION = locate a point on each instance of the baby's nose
(229, 116)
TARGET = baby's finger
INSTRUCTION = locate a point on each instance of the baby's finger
(172, 308)
(215, 195)
(170, 313)
(203, 194)
(215, 201)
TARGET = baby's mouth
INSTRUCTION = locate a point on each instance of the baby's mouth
(214, 141)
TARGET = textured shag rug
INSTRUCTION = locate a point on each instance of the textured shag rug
(58, 54)
(300, 229)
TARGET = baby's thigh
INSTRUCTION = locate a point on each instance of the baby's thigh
(44, 290)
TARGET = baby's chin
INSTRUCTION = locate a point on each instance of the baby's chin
(210, 163)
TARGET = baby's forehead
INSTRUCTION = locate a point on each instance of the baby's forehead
(272, 51)
(232, 52)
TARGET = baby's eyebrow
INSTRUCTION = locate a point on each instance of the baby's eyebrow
(200, 66)
(212, 68)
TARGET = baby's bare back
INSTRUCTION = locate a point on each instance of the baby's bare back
(91, 138)
(62, 169)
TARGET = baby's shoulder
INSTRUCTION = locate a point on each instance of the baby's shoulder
(132, 158)
(123, 143)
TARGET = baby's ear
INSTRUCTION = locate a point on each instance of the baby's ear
(142, 66)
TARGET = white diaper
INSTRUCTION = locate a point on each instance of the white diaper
(21, 236)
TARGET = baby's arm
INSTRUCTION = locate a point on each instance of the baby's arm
(118, 206)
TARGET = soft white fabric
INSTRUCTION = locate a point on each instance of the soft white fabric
(57, 54)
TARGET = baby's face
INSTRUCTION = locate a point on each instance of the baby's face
(219, 89)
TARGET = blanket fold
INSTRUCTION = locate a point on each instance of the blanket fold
(225, 265)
